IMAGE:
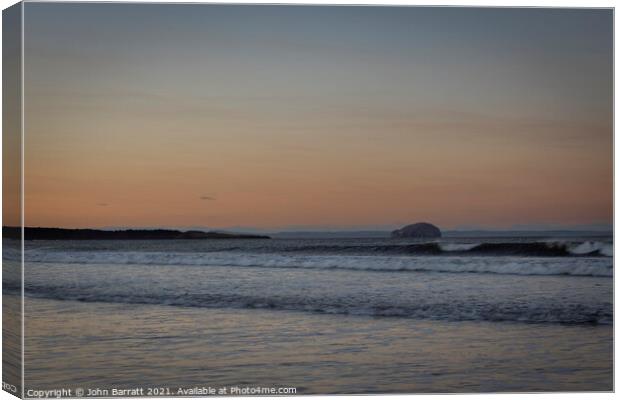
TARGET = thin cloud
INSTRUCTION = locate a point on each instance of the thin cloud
(207, 198)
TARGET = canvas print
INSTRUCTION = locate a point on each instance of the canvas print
(232, 199)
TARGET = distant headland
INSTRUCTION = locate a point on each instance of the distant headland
(127, 234)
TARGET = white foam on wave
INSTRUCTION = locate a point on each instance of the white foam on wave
(584, 248)
(457, 246)
(606, 249)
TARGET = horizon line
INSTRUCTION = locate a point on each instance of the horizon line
(585, 228)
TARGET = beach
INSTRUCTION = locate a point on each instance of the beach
(95, 345)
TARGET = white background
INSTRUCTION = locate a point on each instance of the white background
(486, 3)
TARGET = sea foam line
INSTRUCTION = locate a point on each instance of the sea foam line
(577, 266)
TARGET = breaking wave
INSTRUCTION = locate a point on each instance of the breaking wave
(577, 266)
(524, 249)
(548, 248)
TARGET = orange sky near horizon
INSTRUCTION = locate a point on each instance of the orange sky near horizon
(272, 128)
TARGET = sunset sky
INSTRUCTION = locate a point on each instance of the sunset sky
(281, 117)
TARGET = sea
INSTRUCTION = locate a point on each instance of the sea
(316, 316)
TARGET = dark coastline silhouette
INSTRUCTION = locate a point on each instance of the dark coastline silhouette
(31, 233)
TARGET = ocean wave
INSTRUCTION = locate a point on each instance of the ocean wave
(591, 247)
(548, 248)
(553, 248)
(450, 311)
(448, 247)
(577, 266)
